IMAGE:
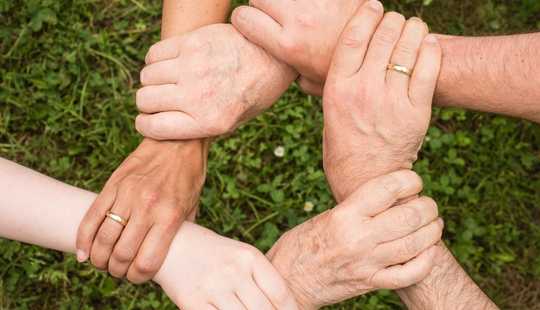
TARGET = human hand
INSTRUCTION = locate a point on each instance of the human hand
(206, 83)
(370, 241)
(301, 33)
(155, 189)
(375, 119)
(206, 271)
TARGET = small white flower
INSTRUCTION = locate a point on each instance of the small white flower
(427, 139)
(308, 206)
(279, 151)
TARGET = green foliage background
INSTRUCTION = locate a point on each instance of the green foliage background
(68, 72)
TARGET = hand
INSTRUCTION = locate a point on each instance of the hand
(301, 33)
(376, 119)
(365, 243)
(206, 271)
(206, 84)
(154, 190)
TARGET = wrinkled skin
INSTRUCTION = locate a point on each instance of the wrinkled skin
(376, 119)
(301, 33)
(206, 83)
(155, 189)
(359, 246)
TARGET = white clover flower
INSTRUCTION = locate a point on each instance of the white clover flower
(308, 206)
(279, 151)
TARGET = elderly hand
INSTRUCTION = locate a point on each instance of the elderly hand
(368, 242)
(376, 118)
(154, 190)
(206, 83)
(301, 33)
(206, 271)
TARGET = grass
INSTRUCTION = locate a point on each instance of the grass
(68, 72)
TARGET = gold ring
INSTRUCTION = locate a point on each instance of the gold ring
(400, 69)
(117, 218)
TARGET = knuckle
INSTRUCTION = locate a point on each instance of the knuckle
(410, 247)
(149, 197)
(146, 265)
(290, 45)
(247, 255)
(407, 49)
(390, 29)
(124, 254)
(391, 184)
(410, 216)
(106, 237)
(431, 205)
(353, 37)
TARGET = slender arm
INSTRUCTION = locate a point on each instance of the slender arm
(492, 74)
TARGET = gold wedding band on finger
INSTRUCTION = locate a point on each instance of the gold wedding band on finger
(400, 69)
(117, 218)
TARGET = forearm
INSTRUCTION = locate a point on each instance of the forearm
(491, 74)
(447, 287)
(39, 210)
(181, 16)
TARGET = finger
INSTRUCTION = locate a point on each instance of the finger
(426, 73)
(259, 28)
(92, 221)
(404, 249)
(108, 234)
(355, 39)
(162, 72)
(277, 9)
(152, 252)
(160, 98)
(272, 285)
(251, 296)
(381, 193)
(410, 273)
(400, 221)
(128, 245)
(173, 125)
(383, 43)
(406, 53)
(228, 301)
(310, 87)
(164, 50)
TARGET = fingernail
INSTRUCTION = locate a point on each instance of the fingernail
(81, 256)
(376, 5)
(431, 38)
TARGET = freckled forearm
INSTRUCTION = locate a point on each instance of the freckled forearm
(491, 74)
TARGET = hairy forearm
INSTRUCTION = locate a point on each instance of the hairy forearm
(491, 74)
(447, 287)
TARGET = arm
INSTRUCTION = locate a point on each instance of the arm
(372, 116)
(447, 287)
(42, 211)
(156, 188)
(183, 16)
(490, 74)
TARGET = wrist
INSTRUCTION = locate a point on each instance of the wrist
(447, 287)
